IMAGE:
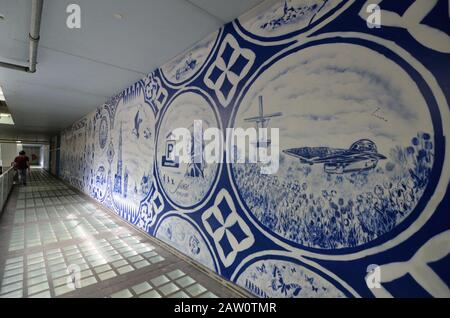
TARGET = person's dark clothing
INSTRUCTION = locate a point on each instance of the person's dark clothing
(21, 162)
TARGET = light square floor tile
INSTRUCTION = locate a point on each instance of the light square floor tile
(180, 294)
(88, 281)
(37, 280)
(107, 275)
(13, 272)
(102, 268)
(151, 294)
(175, 274)
(12, 279)
(208, 295)
(49, 212)
(38, 288)
(119, 263)
(185, 281)
(141, 288)
(141, 264)
(45, 294)
(122, 294)
(160, 280)
(168, 289)
(37, 272)
(195, 290)
(14, 294)
(64, 289)
(125, 269)
(11, 287)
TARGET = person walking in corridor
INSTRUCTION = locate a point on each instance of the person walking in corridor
(21, 163)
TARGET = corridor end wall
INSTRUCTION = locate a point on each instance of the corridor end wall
(359, 205)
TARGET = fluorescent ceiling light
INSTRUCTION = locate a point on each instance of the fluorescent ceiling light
(6, 119)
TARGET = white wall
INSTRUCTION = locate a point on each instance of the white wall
(8, 153)
(44, 157)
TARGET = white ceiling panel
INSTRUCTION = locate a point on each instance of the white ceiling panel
(146, 37)
(226, 10)
(78, 69)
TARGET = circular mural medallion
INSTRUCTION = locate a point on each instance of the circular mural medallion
(276, 20)
(182, 235)
(186, 182)
(99, 179)
(276, 278)
(186, 65)
(356, 144)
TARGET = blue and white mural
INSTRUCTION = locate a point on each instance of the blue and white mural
(181, 234)
(276, 18)
(132, 165)
(346, 176)
(185, 184)
(362, 189)
(185, 65)
(281, 278)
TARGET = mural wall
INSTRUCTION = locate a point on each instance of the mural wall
(34, 154)
(361, 195)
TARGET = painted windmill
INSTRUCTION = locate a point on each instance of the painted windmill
(197, 164)
(262, 121)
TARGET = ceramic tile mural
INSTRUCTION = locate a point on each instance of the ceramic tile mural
(361, 194)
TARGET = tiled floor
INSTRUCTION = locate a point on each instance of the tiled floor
(56, 242)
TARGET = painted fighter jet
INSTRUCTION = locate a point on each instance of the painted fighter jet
(361, 156)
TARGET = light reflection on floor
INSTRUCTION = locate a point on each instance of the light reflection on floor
(49, 231)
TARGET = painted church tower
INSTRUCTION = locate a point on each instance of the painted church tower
(118, 176)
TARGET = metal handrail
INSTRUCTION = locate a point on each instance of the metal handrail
(10, 168)
(6, 184)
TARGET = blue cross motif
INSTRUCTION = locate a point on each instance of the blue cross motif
(224, 208)
(231, 66)
(230, 232)
(157, 202)
(226, 246)
(214, 223)
(234, 231)
(237, 232)
(227, 53)
(154, 92)
(150, 208)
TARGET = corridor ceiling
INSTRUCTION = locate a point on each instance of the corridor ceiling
(118, 43)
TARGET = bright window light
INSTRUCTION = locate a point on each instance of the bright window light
(2, 97)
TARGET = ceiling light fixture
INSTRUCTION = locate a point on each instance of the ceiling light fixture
(118, 16)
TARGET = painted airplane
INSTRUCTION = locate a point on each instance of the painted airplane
(361, 156)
